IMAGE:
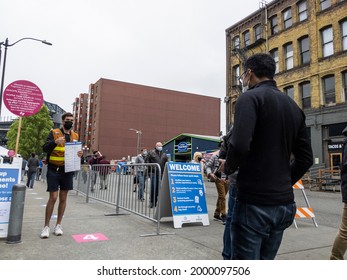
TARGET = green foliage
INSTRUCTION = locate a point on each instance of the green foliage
(33, 133)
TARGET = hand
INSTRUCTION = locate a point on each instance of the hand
(221, 165)
(60, 141)
(212, 176)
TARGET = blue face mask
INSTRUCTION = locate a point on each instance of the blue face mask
(159, 148)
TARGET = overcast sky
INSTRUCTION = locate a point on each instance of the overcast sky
(171, 44)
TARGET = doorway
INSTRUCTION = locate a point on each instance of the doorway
(335, 160)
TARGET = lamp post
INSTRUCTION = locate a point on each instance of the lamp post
(6, 44)
(139, 133)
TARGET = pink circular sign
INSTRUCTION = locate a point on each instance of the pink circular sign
(23, 98)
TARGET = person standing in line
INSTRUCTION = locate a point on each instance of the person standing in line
(59, 182)
(340, 244)
(214, 173)
(268, 128)
(95, 159)
(104, 170)
(227, 250)
(141, 173)
(33, 164)
(156, 156)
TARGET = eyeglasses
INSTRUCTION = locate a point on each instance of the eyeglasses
(240, 78)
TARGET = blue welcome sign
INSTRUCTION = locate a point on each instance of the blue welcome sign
(187, 193)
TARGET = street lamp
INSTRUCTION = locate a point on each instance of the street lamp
(139, 133)
(6, 44)
(85, 151)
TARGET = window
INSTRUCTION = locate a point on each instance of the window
(289, 91)
(274, 54)
(257, 32)
(324, 4)
(344, 35)
(236, 42)
(273, 25)
(304, 45)
(327, 41)
(344, 81)
(302, 10)
(235, 75)
(287, 18)
(288, 52)
(246, 38)
(305, 90)
(329, 90)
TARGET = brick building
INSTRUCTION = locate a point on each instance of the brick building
(119, 118)
(308, 40)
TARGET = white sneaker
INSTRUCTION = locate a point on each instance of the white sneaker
(58, 230)
(45, 232)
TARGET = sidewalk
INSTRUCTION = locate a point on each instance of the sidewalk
(124, 240)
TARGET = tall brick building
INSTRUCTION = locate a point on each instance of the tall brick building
(308, 40)
(114, 116)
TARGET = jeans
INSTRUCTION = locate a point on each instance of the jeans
(340, 243)
(141, 181)
(257, 230)
(31, 179)
(154, 188)
(226, 253)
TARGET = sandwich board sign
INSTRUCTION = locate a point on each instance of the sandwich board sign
(182, 194)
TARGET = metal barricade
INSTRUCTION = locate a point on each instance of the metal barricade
(115, 185)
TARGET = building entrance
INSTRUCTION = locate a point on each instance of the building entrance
(335, 160)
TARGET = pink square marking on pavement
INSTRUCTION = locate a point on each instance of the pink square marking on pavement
(89, 237)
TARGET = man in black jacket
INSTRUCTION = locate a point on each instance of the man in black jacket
(269, 127)
(156, 156)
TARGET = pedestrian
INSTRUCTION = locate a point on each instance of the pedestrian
(198, 159)
(95, 159)
(24, 168)
(221, 182)
(104, 170)
(227, 249)
(141, 173)
(33, 164)
(59, 182)
(268, 127)
(156, 156)
(44, 170)
(340, 244)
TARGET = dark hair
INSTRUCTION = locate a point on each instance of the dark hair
(262, 64)
(67, 114)
(33, 154)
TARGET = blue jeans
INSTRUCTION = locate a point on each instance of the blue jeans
(257, 230)
(31, 179)
(227, 254)
(141, 180)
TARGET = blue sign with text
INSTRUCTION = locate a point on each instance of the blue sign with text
(186, 189)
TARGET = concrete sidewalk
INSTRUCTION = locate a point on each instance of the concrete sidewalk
(125, 240)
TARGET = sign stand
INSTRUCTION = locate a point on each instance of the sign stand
(303, 212)
(182, 194)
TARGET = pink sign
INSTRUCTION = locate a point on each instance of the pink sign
(23, 98)
(11, 153)
(90, 237)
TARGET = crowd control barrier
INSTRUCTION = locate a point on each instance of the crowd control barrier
(116, 185)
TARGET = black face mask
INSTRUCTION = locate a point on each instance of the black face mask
(67, 124)
(199, 159)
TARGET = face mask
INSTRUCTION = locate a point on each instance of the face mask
(67, 124)
(159, 148)
(199, 159)
(145, 153)
(245, 87)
